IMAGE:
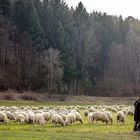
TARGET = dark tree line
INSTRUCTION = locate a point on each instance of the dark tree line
(49, 47)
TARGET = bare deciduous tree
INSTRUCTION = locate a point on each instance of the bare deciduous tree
(54, 69)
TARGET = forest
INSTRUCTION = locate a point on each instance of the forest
(49, 47)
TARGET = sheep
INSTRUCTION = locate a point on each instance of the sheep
(86, 112)
(120, 117)
(69, 115)
(63, 116)
(124, 111)
(10, 115)
(3, 117)
(20, 118)
(57, 119)
(114, 110)
(92, 109)
(98, 116)
(109, 116)
(14, 108)
(24, 114)
(47, 116)
(70, 118)
(39, 119)
(31, 116)
(130, 112)
(78, 117)
(90, 118)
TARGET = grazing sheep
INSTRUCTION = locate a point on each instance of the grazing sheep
(10, 115)
(25, 115)
(67, 115)
(120, 117)
(109, 116)
(57, 119)
(63, 116)
(92, 109)
(86, 112)
(78, 117)
(70, 118)
(124, 111)
(3, 117)
(21, 118)
(130, 112)
(114, 110)
(47, 116)
(39, 119)
(90, 118)
(31, 116)
(98, 116)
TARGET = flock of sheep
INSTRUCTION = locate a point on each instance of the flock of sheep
(64, 115)
(104, 113)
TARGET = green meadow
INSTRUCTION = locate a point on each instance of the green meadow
(76, 131)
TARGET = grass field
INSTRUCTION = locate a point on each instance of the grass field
(15, 131)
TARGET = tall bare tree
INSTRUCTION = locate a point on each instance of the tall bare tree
(54, 69)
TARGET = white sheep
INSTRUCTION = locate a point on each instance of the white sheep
(39, 119)
(31, 116)
(109, 116)
(98, 116)
(10, 115)
(25, 115)
(120, 117)
(20, 118)
(92, 109)
(90, 117)
(57, 119)
(70, 118)
(3, 117)
(63, 116)
(114, 109)
(47, 116)
(130, 112)
(78, 117)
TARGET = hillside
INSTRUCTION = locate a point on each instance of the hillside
(47, 46)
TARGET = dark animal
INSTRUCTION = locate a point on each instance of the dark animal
(137, 115)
